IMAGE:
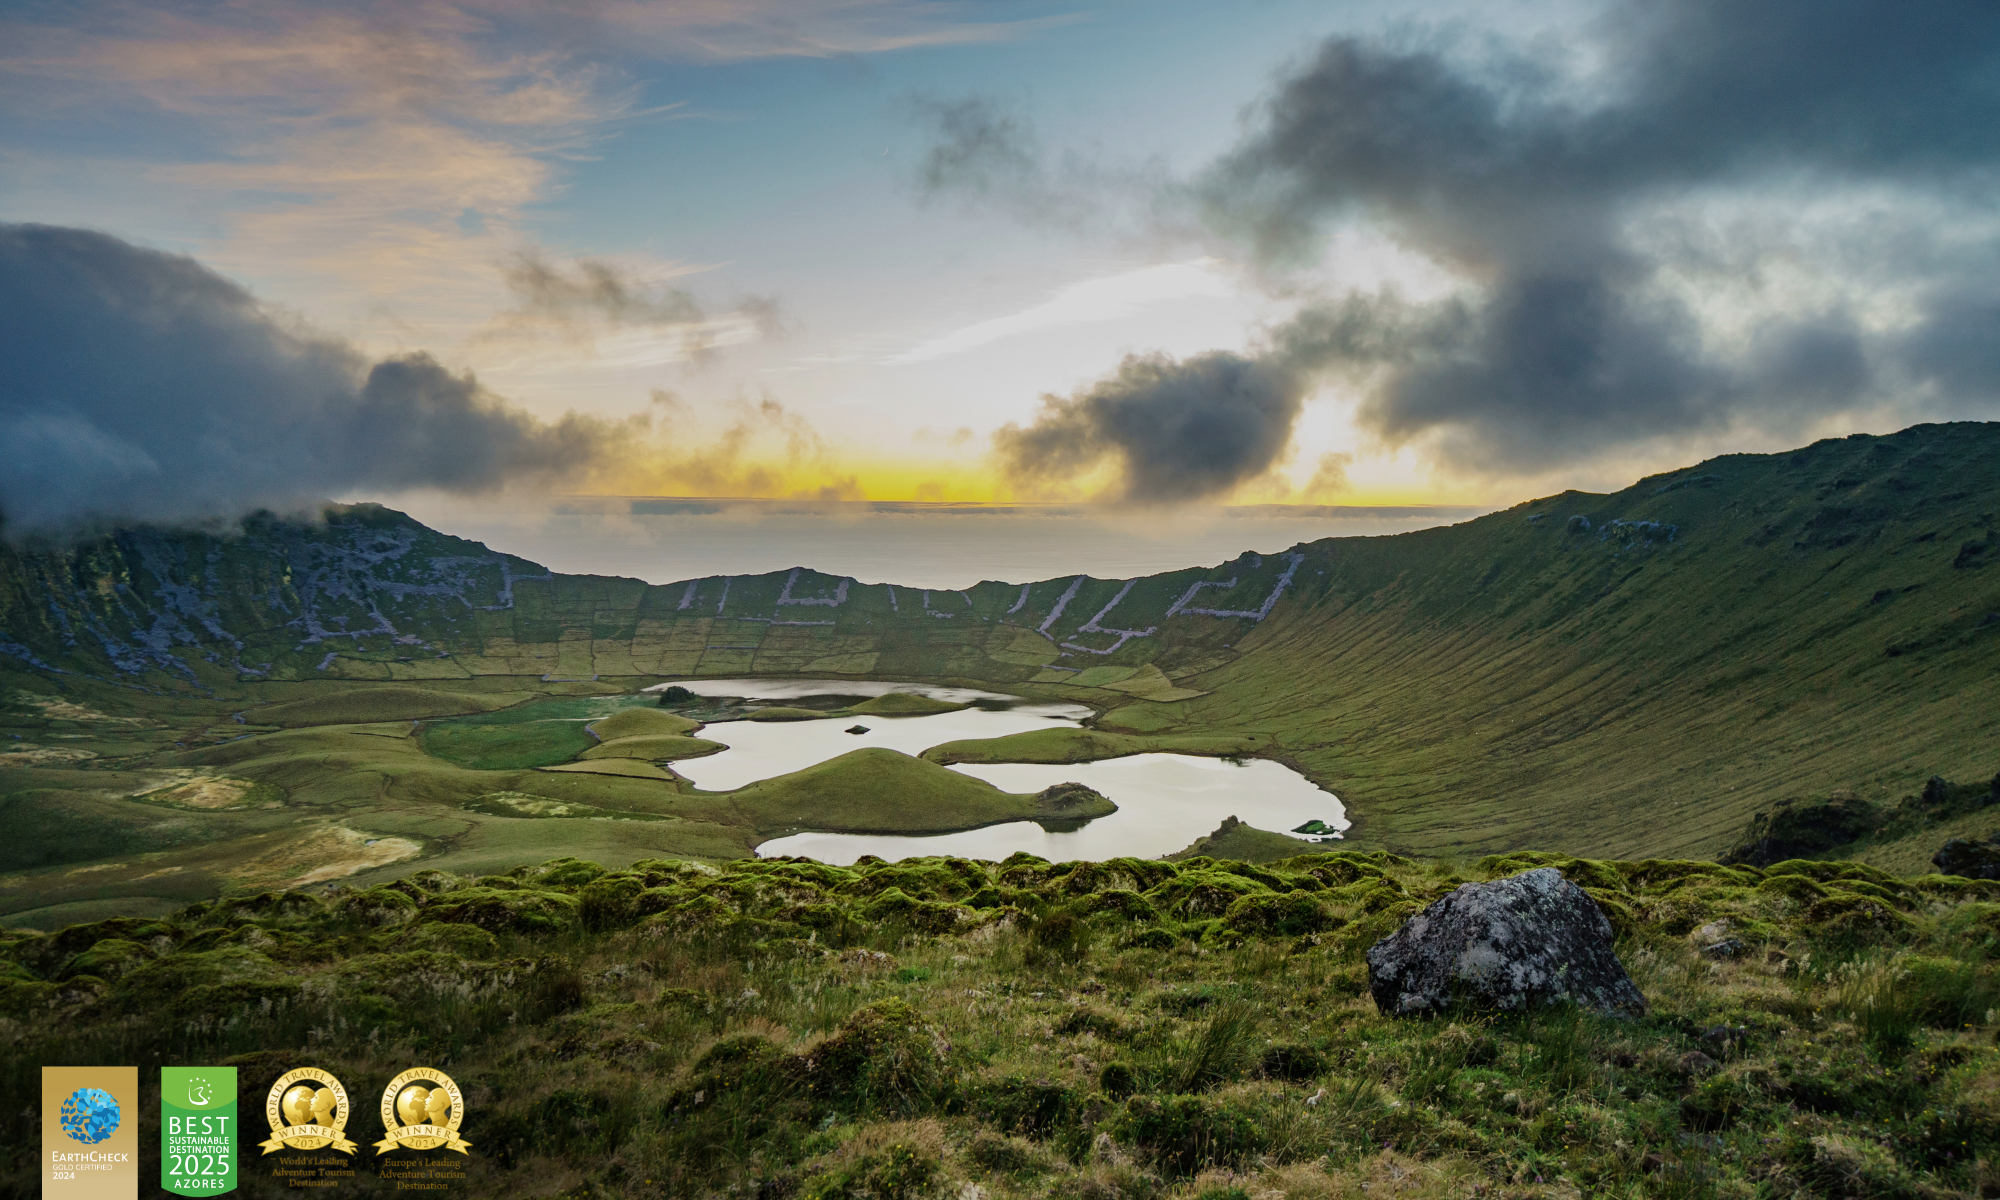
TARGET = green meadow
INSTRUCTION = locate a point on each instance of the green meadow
(1190, 1030)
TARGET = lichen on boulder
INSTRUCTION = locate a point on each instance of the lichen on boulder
(1515, 943)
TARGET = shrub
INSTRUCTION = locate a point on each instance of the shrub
(1291, 1063)
(1219, 1054)
(1020, 1105)
(1061, 938)
(554, 987)
(1185, 1134)
(883, 1057)
(1006, 1155)
(899, 1171)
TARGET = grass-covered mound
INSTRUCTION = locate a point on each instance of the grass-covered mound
(1139, 1029)
(361, 705)
(902, 704)
(643, 722)
(1244, 843)
(779, 712)
(659, 747)
(877, 790)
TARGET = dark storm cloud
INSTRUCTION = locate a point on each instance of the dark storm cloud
(1582, 204)
(1174, 430)
(1565, 341)
(137, 385)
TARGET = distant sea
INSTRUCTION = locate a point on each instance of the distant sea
(661, 539)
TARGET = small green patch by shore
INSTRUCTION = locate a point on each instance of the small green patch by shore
(1069, 745)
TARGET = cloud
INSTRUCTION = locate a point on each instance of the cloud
(137, 385)
(140, 385)
(1692, 218)
(984, 153)
(1170, 431)
(378, 159)
(1330, 475)
(738, 30)
(619, 315)
(1088, 301)
(378, 162)
(593, 289)
(1576, 328)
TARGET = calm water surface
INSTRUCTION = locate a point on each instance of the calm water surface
(1165, 801)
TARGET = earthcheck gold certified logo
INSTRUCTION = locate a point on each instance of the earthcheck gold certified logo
(421, 1110)
(308, 1110)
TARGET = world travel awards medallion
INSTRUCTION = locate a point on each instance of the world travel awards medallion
(198, 1130)
(308, 1111)
(421, 1110)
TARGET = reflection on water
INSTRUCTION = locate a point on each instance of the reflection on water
(1165, 801)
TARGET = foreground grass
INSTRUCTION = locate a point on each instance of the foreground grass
(1127, 1030)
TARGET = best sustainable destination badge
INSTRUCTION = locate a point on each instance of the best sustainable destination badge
(198, 1130)
(308, 1110)
(422, 1110)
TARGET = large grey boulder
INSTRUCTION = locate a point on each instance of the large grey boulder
(1534, 938)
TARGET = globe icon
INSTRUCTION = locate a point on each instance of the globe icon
(89, 1115)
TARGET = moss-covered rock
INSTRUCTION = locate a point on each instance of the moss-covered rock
(1290, 915)
(519, 910)
(379, 906)
(1120, 903)
(1846, 917)
(462, 941)
(1585, 873)
(562, 873)
(108, 959)
(1795, 829)
(208, 983)
(1202, 892)
(610, 901)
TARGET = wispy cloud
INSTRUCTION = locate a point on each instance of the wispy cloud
(377, 156)
(735, 30)
(381, 158)
(1107, 298)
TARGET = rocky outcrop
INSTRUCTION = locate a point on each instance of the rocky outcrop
(1528, 940)
(1969, 857)
(1803, 828)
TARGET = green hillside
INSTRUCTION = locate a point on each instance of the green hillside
(1633, 674)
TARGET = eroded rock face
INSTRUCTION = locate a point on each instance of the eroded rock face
(1970, 858)
(1531, 939)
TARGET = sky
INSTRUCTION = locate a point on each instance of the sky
(1148, 256)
